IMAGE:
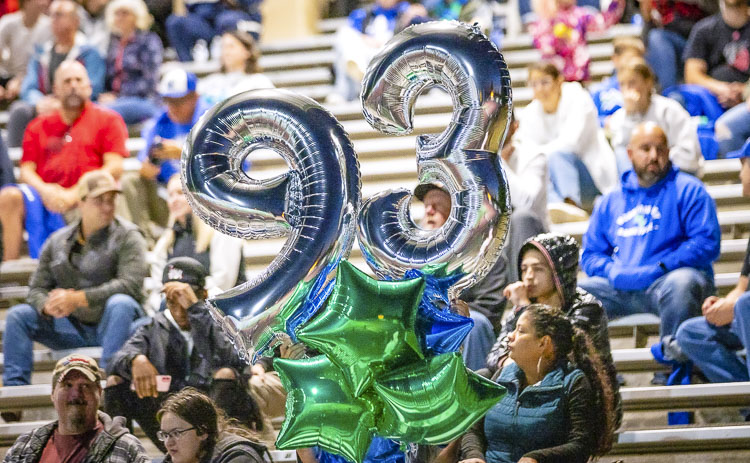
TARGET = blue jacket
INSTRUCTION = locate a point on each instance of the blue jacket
(162, 127)
(360, 18)
(638, 234)
(37, 82)
(546, 421)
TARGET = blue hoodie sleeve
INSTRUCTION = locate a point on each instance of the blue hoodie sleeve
(30, 92)
(698, 217)
(596, 259)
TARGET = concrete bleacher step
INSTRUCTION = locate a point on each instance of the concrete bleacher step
(45, 359)
(676, 439)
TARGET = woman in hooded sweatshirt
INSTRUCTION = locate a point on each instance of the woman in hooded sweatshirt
(548, 266)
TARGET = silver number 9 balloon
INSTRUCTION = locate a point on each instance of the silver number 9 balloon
(315, 203)
(460, 60)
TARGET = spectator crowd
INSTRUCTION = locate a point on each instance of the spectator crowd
(124, 264)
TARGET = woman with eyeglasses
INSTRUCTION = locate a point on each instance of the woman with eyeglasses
(194, 430)
(561, 122)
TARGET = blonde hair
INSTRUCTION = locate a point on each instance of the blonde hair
(143, 18)
(628, 43)
(639, 67)
(203, 233)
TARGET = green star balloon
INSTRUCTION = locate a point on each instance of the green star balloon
(433, 401)
(321, 410)
(367, 326)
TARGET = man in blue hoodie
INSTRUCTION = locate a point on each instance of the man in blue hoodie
(650, 245)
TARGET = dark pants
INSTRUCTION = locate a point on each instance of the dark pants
(121, 401)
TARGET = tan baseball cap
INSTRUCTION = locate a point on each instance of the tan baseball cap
(80, 362)
(96, 183)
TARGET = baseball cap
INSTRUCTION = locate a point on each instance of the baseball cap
(79, 362)
(177, 83)
(185, 270)
(421, 190)
(95, 183)
(743, 152)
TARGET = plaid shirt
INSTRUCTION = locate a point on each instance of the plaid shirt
(113, 445)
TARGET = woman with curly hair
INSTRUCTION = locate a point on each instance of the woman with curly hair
(195, 430)
(558, 406)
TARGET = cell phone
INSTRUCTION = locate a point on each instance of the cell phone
(162, 383)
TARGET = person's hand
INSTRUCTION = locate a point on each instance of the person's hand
(630, 99)
(63, 302)
(292, 351)
(105, 98)
(720, 312)
(144, 376)
(179, 293)
(516, 293)
(472, 460)
(527, 460)
(729, 94)
(149, 170)
(167, 149)
(47, 104)
(13, 88)
(708, 302)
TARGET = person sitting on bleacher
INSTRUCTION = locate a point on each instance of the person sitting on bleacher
(650, 245)
(81, 432)
(642, 104)
(58, 148)
(561, 122)
(182, 342)
(366, 31)
(240, 71)
(164, 135)
(548, 269)
(206, 19)
(606, 94)
(188, 236)
(733, 127)
(19, 33)
(134, 57)
(37, 89)
(712, 341)
(717, 55)
(85, 290)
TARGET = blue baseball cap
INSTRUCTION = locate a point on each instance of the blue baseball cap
(177, 83)
(743, 152)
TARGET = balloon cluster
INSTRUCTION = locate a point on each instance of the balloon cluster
(388, 362)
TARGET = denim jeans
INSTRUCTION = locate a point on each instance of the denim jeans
(664, 55)
(674, 297)
(134, 109)
(569, 178)
(203, 21)
(733, 129)
(714, 348)
(479, 341)
(24, 325)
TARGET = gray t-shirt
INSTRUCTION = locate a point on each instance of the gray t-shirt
(17, 42)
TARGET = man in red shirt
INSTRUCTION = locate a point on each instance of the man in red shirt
(58, 148)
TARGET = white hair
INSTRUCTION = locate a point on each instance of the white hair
(143, 18)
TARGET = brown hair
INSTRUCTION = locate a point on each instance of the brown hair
(247, 41)
(572, 343)
(639, 67)
(626, 44)
(545, 67)
(202, 413)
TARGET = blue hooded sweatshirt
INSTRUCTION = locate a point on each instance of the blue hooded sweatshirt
(638, 234)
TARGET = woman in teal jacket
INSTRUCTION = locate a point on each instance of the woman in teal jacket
(554, 410)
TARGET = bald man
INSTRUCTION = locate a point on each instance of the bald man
(650, 245)
(58, 148)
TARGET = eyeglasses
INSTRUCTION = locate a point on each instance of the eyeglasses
(175, 434)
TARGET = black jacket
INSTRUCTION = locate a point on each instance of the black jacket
(584, 310)
(166, 349)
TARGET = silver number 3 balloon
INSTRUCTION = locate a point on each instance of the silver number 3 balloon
(463, 158)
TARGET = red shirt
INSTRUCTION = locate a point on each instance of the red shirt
(70, 448)
(63, 153)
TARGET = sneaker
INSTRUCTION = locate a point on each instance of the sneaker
(564, 212)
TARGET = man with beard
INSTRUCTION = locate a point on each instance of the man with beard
(81, 431)
(650, 245)
(58, 148)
